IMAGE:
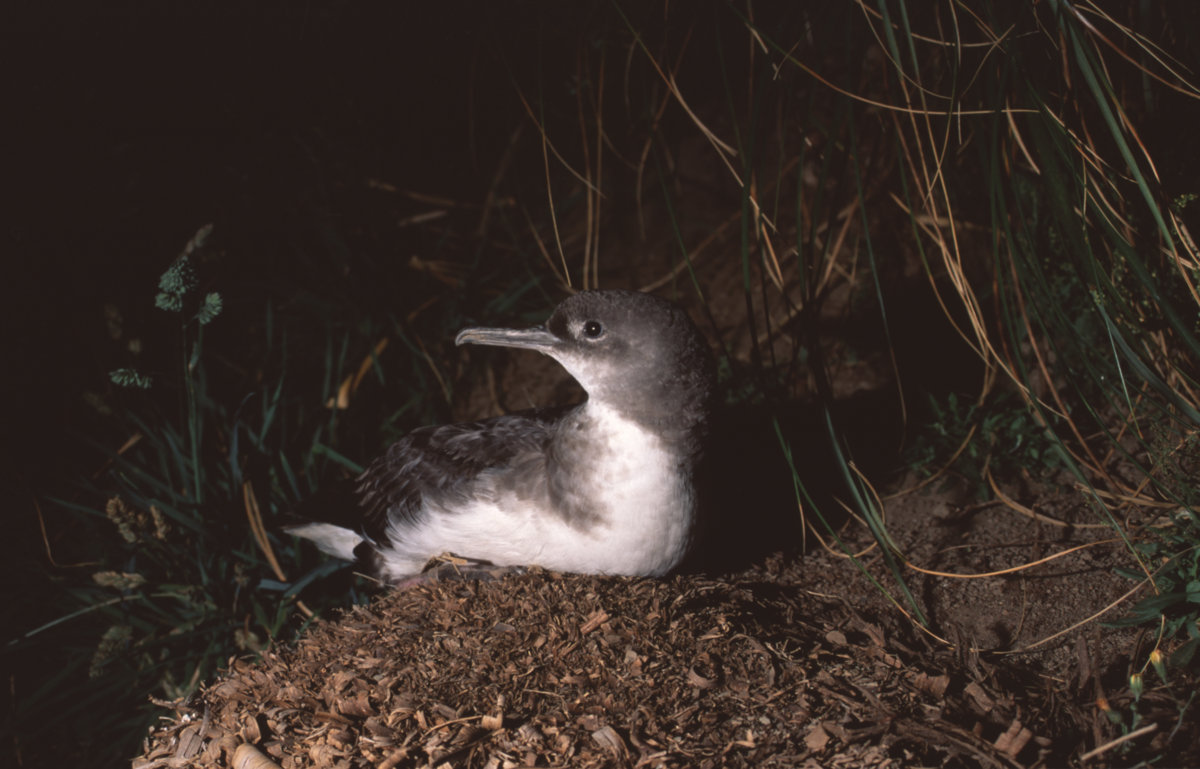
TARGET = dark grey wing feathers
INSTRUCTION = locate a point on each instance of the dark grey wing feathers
(441, 462)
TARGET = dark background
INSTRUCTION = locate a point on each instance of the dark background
(128, 125)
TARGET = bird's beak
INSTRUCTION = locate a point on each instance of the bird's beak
(537, 338)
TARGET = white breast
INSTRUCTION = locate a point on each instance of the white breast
(640, 526)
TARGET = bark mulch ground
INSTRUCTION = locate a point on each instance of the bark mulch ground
(543, 669)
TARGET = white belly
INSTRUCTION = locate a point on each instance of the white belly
(640, 514)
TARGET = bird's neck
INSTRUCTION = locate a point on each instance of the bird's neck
(677, 417)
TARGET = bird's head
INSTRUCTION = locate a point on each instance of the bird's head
(631, 351)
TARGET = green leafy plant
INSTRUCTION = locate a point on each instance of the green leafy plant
(1001, 437)
(1172, 550)
(182, 571)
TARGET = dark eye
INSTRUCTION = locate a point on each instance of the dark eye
(592, 329)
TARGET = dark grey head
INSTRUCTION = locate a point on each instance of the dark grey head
(634, 352)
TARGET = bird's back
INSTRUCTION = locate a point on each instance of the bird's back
(442, 466)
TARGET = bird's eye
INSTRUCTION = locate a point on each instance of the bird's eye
(592, 329)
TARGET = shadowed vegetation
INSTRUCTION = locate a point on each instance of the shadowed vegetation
(943, 237)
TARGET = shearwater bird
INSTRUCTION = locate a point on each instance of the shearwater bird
(604, 487)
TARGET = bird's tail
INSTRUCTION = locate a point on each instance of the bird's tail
(328, 519)
(330, 538)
